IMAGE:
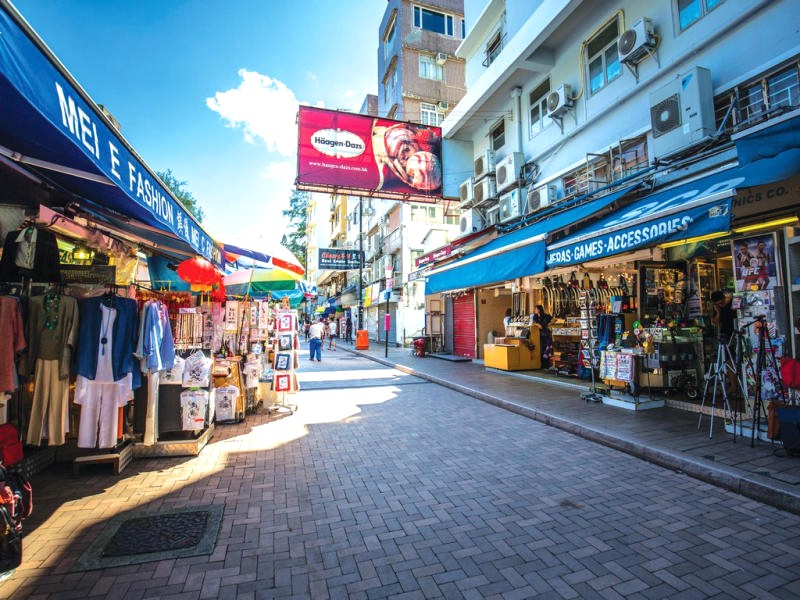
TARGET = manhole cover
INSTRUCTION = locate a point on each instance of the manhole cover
(158, 534)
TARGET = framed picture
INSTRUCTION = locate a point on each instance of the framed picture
(755, 263)
(283, 361)
(285, 341)
(282, 382)
(285, 322)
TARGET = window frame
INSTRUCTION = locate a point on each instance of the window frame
(541, 105)
(426, 108)
(431, 64)
(703, 5)
(389, 37)
(494, 136)
(602, 54)
(448, 21)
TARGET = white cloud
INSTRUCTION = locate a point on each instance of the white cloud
(264, 108)
(280, 171)
(311, 76)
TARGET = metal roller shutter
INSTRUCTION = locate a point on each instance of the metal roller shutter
(464, 325)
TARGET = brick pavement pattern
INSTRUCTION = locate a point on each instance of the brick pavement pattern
(399, 488)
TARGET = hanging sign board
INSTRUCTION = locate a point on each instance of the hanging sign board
(339, 259)
(89, 274)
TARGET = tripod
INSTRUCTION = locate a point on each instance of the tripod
(764, 350)
(718, 373)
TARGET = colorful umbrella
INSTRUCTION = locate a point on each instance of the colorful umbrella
(260, 281)
(198, 270)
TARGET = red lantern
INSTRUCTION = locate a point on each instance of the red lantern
(218, 292)
(198, 270)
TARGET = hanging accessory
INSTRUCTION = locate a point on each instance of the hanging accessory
(105, 322)
(51, 303)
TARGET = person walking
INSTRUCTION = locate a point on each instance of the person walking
(315, 333)
(348, 329)
(333, 333)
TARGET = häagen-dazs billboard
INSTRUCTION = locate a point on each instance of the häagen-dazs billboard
(364, 155)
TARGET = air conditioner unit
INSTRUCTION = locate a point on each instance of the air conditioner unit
(508, 169)
(443, 105)
(540, 197)
(471, 221)
(492, 216)
(484, 190)
(466, 193)
(682, 113)
(635, 43)
(559, 102)
(509, 206)
(441, 58)
(484, 164)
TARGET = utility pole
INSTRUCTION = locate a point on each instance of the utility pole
(360, 263)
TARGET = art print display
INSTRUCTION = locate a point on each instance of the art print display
(285, 341)
(755, 263)
(285, 322)
(283, 361)
(282, 382)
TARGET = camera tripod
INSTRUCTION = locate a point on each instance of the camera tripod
(765, 352)
(718, 373)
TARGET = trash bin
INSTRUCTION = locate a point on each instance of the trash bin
(362, 339)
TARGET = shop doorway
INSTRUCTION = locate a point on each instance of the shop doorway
(464, 325)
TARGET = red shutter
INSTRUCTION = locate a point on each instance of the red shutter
(464, 325)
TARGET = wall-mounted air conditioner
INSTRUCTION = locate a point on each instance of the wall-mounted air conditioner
(682, 113)
(540, 197)
(559, 101)
(466, 193)
(509, 206)
(471, 221)
(441, 58)
(484, 164)
(492, 216)
(484, 190)
(507, 171)
(443, 105)
(636, 43)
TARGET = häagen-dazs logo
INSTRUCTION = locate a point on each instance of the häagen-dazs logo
(338, 143)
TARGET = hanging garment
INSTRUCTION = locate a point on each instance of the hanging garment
(193, 409)
(12, 341)
(52, 332)
(120, 339)
(156, 348)
(50, 408)
(31, 253)
(151, 417)
(225, 402)
(197, 370)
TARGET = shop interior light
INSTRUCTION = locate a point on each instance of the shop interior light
(694, 240)
(82, 253)
(767, 225)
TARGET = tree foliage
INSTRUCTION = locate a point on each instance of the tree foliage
(295, 237)
(188, 200)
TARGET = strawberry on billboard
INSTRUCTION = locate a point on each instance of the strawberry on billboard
(361, 155)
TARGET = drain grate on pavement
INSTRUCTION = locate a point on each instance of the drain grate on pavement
(138, 537)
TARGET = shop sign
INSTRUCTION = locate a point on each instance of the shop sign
(767, 198)
(340, 259)
(361, 155)
(89, 274)
(426, 259)
(698, 221)
(419, 274)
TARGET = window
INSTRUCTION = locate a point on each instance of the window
(452, 219)
(498, 135)
(538, 106)
(493, 48)
(430, 114)
(390, 82)
(603, 58)
(388, 39)
(430, 20)
(429, 69)
(423, 214)
(691, 11)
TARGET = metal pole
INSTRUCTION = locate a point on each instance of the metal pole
(387, 324)
(360, 263)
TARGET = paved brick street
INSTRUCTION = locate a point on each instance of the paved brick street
(384, 485)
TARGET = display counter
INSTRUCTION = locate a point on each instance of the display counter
(514, 354)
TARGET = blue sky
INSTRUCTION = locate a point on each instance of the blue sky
(210, 88)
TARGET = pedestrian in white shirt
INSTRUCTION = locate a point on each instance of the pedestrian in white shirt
(332, 334)
(315, 334)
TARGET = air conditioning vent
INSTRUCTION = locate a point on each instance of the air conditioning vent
(509, 206)
(484, 190)
(507, 172)
(441, 58)
(492, 216)
(635, 43)
(540, 197)
(471, 221)
(559, 102)
(682, 113)
(666, 115)
(466, 193)
(484, 164)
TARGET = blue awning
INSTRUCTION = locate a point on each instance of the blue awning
(701, 207)
(517, 254)
(251, 254)
(49, 125)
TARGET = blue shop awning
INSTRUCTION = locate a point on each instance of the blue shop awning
(517, 254)
(698, 208)
(50, 126)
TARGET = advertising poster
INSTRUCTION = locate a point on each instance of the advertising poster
(339, 259)
(755, 264)
(363, 154)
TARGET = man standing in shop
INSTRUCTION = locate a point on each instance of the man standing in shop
(723, 315)
(315, 334)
